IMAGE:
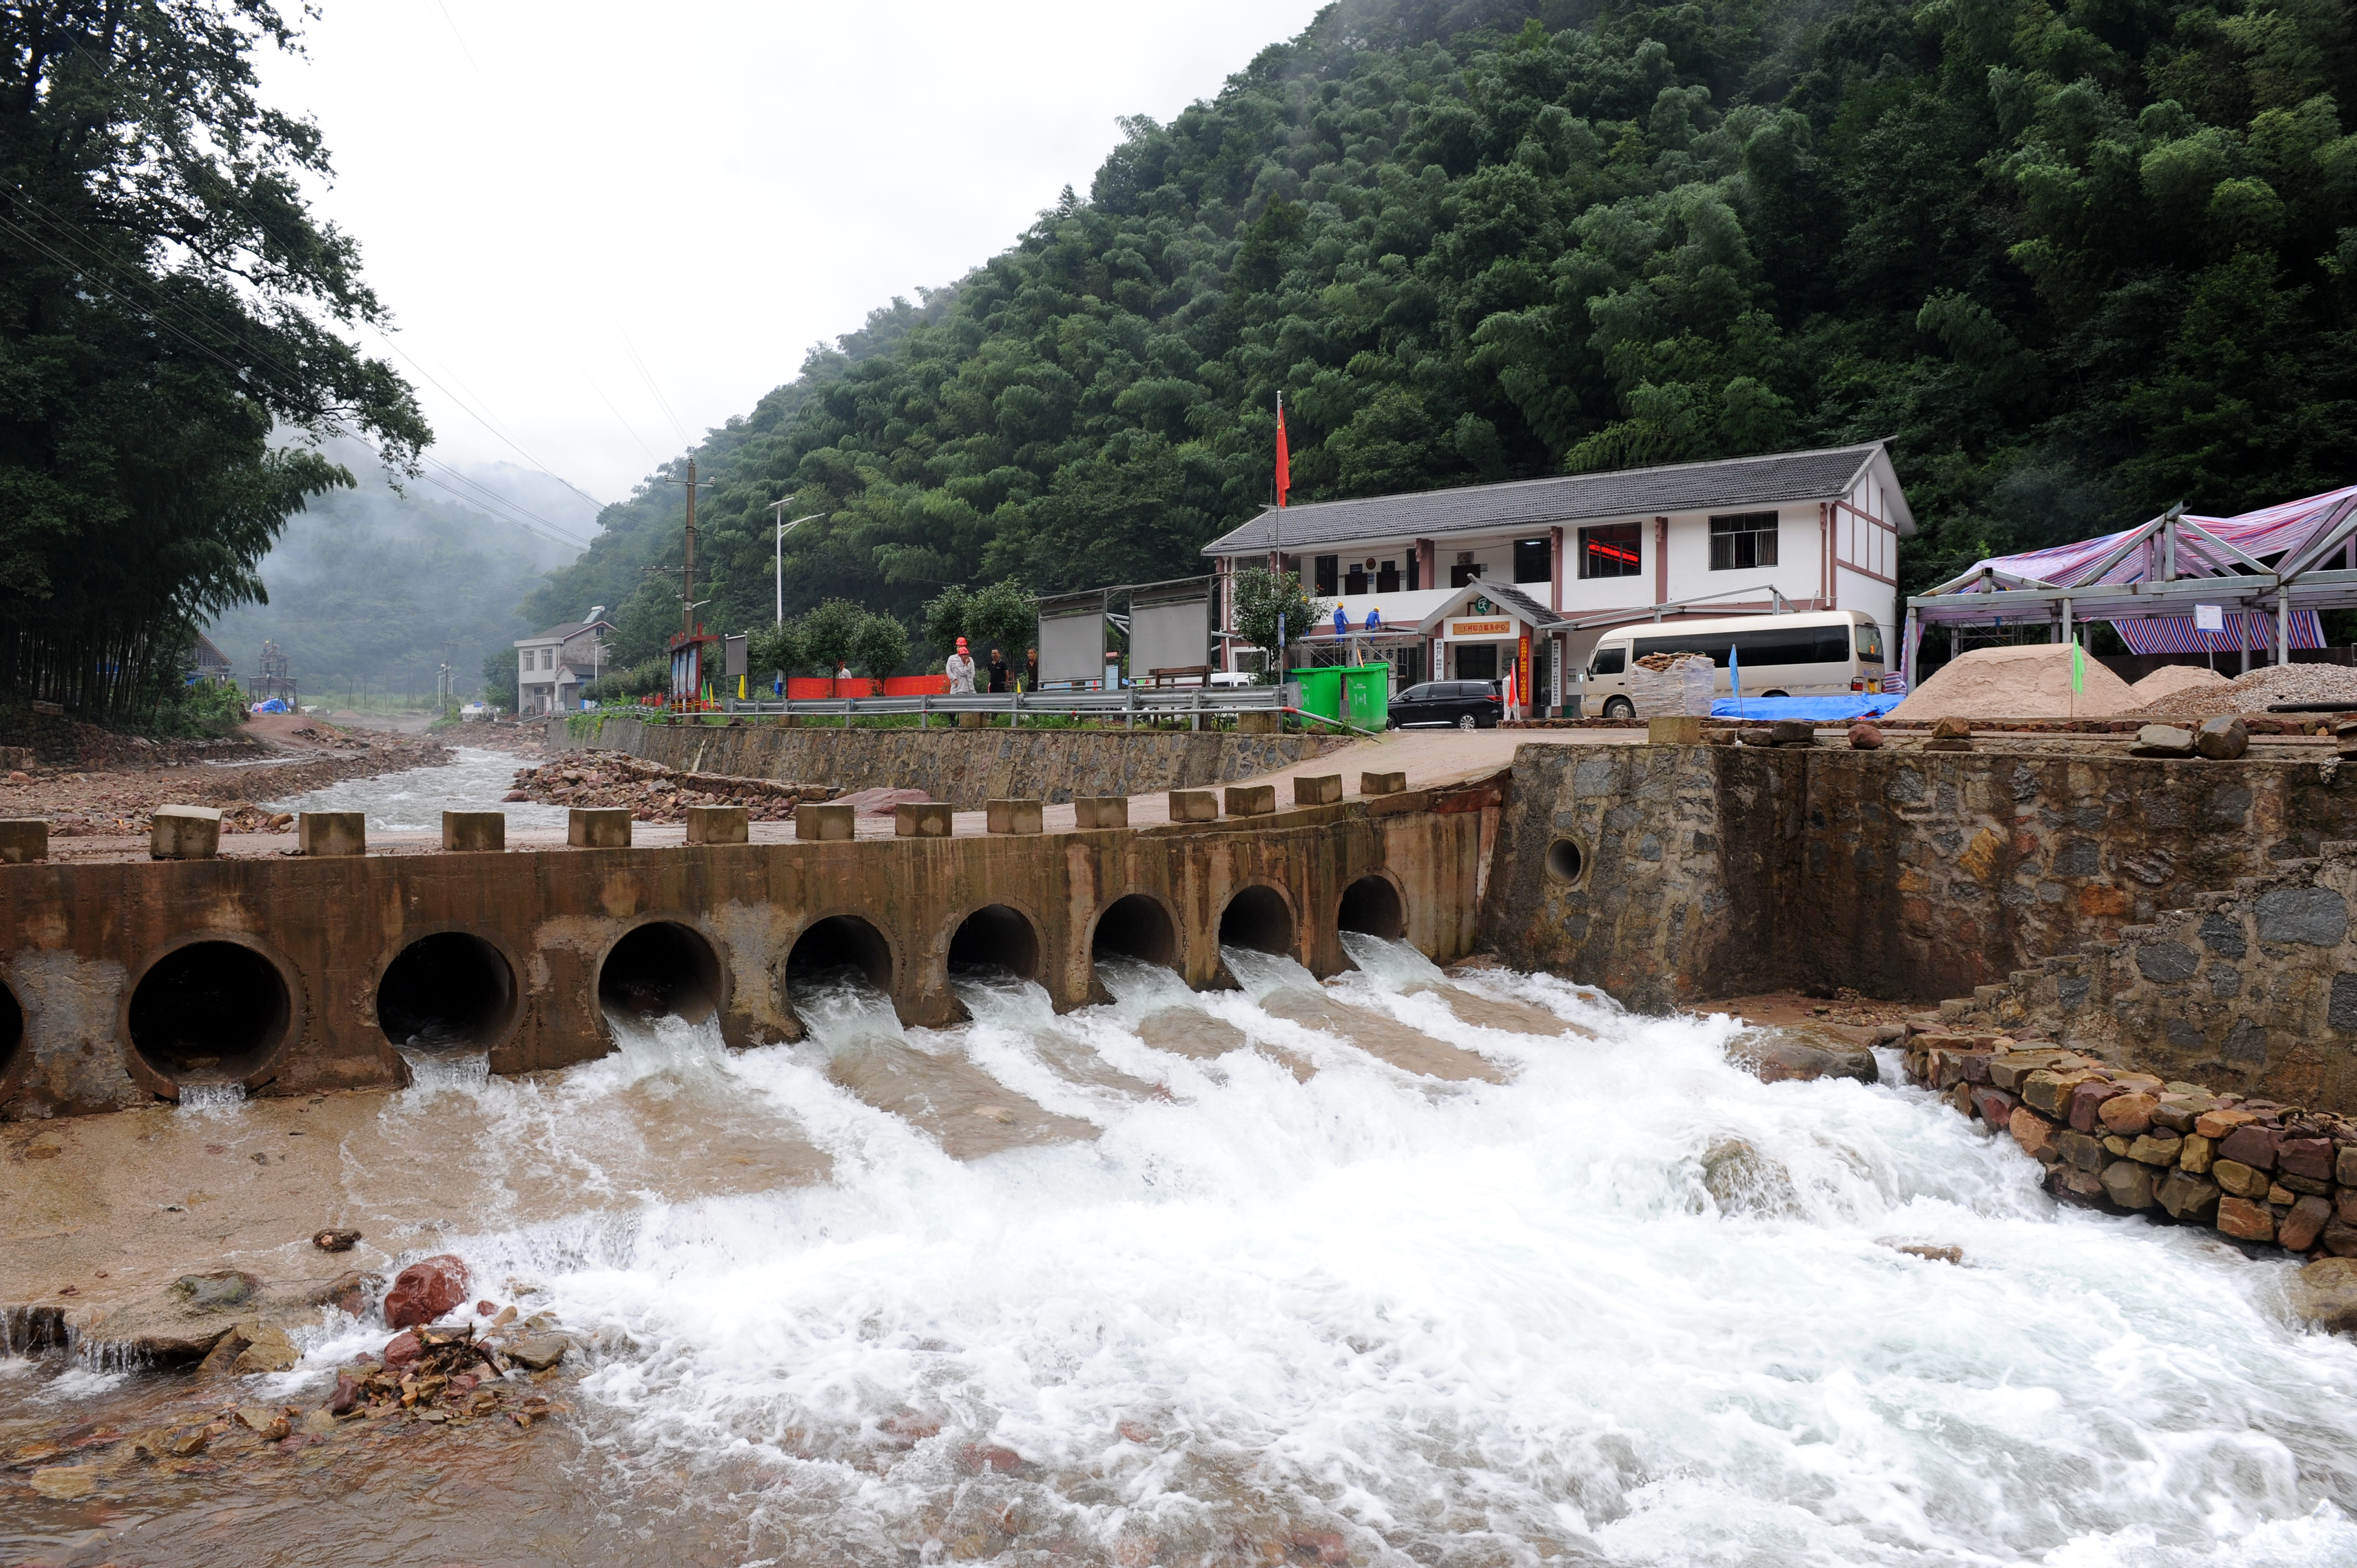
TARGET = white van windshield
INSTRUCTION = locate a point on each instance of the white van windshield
(1608, 660)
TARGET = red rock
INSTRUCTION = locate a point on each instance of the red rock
(1863, 737)
(2310, 1157)
(2034, 1132)
(908, 1428)
(1994, 1105)
(348, 1390)
(2087, 1099)
(2216, 1124)
(2298, 1229)
(2081, 1190)
(2127, 1115)
(424, 1291)
(1136, 1430)
(988, 1456)
(2253, 1145)
(402, 1349)
(2239, 1217)
(1326, 1544)
(484, 1309)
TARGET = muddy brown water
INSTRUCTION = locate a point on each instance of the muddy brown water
(1405, 1268)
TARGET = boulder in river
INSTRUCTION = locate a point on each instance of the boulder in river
(1783, 1057)
(424, 1291)
(2325, 1293)
(221, 1291)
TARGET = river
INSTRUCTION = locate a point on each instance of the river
(1195, 1279)
(413, 799)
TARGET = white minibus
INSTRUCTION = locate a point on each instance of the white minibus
(1814, 653)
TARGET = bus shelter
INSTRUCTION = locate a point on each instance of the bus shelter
(2179, 584)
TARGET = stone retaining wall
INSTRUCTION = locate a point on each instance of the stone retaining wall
(2256, 1170)
(1669, 875)
(967, 767)
(2254, 988)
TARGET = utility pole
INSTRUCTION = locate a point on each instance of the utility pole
(687, 568)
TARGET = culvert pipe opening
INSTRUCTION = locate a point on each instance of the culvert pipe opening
(838, 943)
(1257, 918)
(210, 1012)
(449, 990)
(1371, 906)
(660, 968)
(996, 937)
(1136, 927)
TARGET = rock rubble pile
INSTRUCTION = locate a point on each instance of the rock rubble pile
(655, 793)
(2111, 1139)
(2258, 691)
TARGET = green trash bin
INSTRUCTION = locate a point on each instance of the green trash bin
(1322, 690)
(1367, 695)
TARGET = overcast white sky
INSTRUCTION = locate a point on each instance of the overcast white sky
(543, 188)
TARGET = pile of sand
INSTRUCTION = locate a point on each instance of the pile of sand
(2170, 678)
(2258, 691)
(2032, 681)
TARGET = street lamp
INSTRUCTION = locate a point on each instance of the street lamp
(784, 528)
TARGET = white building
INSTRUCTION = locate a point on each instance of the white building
(1571, 556)
(553, 666)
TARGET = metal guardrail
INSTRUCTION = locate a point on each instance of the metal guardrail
(1130, 704)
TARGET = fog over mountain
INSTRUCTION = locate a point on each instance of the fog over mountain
(372, 589)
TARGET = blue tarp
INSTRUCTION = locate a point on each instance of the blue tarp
(273, 706)
(1848, 705)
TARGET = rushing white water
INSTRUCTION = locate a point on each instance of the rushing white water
(203, 1100)
(414, 799)
(1262, 1294)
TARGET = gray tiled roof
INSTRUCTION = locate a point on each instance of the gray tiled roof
(1630, 492)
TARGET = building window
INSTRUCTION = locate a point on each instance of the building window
(1354, 580)
(1615, 550)
(1326, 572)
(1533, 561)
(1747, 539)
(1414, 573)
(1387, 578)
(1477, 661)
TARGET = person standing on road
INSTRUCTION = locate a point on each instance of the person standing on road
(1031, 670)
(997, 670)
(960, 670)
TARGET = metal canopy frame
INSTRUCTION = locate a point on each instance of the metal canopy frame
(2196, 566)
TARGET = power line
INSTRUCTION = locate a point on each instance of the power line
(664, 401)
(486, 421)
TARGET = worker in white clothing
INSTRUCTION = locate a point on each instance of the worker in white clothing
(961, 672)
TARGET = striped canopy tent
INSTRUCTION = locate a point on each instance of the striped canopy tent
(2265, 572)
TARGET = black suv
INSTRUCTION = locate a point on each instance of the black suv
(1468, 704)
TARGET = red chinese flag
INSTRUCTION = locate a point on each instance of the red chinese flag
(1283, 469)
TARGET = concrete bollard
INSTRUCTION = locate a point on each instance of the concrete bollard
(1194, 806)
(23, 839)
(184, 833)
(1677, 729)
(1317, 789)
(1102, 810)
(971, 721)
(719, 824)
(1383, 783)
(823, 823)
(479, 832)
(1256, 721)
(597, 827)
(1252, 800)
(925, 820)
(332, 833)
(1013, 816)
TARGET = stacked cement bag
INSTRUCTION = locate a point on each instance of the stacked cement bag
(1671, 685)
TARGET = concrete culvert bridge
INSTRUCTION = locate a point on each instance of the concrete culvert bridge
(449, 990)
(660, 968)
(1136, 927)
(840, 942)
(995, 935)
(1371, 906)
(210, 1012)
(1257, 918)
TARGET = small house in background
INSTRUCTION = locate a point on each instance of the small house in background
(207, 665)
(1558, 561)
(554, 667)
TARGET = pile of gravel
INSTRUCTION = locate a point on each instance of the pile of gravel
(2260, 690)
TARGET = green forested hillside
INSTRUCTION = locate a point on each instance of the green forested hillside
(2078, 260)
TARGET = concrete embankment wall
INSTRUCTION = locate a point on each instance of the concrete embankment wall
(967, 768)
(127, 981)
(1669, 875)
